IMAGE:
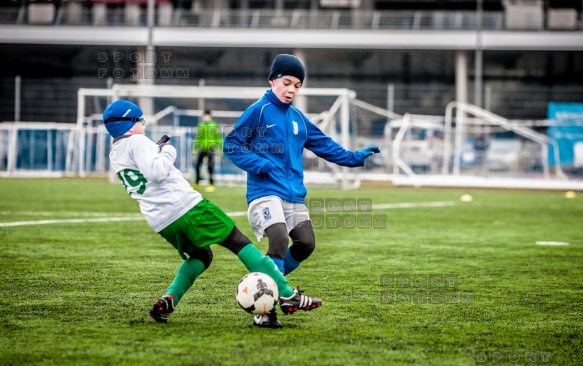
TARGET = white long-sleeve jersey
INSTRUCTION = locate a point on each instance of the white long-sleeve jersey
(150, 178)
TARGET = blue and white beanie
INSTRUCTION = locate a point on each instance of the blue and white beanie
(120, 116)
(284, 64)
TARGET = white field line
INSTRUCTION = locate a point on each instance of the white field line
(69, 221)
(552, 243)
(137, 217)
(387, 206)
(414, 205)
(69, 213)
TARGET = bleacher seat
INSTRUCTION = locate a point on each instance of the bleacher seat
(99, 14)
(132, 14)
(41, 13)
(561, 19)
(523, 14)
(73, 13)
(165, 11)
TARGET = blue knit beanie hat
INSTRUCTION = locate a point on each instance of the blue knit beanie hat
(120, 116)
(284, 64)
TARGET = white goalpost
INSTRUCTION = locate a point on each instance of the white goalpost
(334, 115)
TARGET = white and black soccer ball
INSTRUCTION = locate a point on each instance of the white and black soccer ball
(257, 293)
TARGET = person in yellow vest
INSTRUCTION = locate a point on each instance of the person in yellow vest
(207, 143)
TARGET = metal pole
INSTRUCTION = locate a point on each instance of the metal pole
(201, 101)
(50, 150)
(149, 60)
(478, 58)
(391, 97)
(488, 98)
(109, 86)
(17, 82)
(345, 134)
(12, 149)
(151, 11)
(301, 101)
(81, 131)
(461, 80)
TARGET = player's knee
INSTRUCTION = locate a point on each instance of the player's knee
(208, 259)
(205, 255)
(278, 239)
(236, 241)
(307, 244)
(304, 241)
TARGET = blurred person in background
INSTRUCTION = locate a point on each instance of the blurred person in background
(207, 143)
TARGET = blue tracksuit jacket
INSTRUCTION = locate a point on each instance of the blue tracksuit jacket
(268, 141)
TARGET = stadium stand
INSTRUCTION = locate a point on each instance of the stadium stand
(401, 57)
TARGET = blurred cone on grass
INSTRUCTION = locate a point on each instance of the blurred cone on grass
(570, 194)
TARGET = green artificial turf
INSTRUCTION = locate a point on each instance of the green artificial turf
(461, 284)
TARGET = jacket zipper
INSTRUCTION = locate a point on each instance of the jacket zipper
(287, 158)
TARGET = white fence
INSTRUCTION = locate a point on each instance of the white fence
(482, 149)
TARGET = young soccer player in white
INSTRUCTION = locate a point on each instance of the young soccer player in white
(179, 213)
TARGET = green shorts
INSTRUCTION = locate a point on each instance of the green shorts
(203, 225)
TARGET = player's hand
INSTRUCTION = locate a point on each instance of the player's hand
(368, 151)
(162, 142)
(217, 151)
(267, 168)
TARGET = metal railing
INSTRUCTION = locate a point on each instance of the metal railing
(100, 15)
(50, 99)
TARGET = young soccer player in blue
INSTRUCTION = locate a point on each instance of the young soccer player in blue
(267, 142)
(176, 211)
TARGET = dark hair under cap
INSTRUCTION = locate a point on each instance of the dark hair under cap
(284, 64)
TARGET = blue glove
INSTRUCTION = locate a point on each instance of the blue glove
(368, 151)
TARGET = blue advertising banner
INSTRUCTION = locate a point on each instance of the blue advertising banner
(566, 128)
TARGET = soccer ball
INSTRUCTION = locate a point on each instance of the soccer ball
(257, 293)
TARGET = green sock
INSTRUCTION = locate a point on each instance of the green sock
(254, 261)
(189, 271)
